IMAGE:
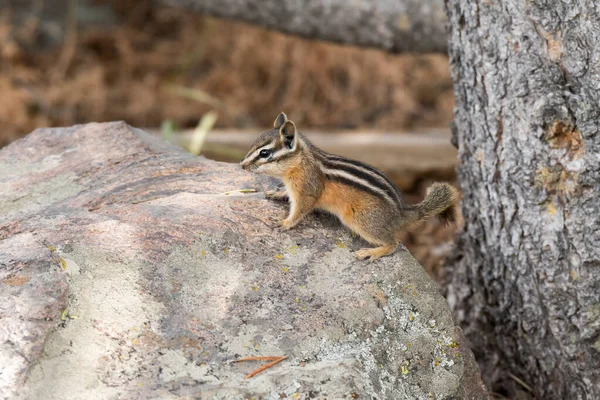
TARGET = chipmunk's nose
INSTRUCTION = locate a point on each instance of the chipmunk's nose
(244, 165)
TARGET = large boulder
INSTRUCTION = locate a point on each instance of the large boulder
(131, 269)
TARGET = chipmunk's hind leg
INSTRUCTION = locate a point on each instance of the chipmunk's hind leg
(384, 237)
(376, 252)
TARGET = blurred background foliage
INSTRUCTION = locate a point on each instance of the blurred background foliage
(66, 62)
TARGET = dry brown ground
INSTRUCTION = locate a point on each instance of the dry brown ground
(124, 72)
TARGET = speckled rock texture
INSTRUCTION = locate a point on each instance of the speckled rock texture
(130, 269)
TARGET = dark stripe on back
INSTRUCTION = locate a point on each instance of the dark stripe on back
(367, 167)
(354, 184)
(329, 160)
(351, 169)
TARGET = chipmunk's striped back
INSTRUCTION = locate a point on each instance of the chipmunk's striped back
(273, 148)
(362, 197)
(356, 174)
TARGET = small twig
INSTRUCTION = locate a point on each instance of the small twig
(520, 382)
(239, 191)
(274, 360)
(19, 198)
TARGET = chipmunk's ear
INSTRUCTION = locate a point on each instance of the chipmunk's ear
(287, 132)
(280, 120)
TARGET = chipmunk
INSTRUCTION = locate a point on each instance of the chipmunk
(362, 197)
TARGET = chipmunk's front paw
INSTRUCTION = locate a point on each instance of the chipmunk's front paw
(276, 195)
(287, 224)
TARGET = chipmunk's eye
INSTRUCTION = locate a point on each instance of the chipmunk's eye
(264, 153)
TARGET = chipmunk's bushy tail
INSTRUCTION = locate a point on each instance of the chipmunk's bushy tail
(441, 201)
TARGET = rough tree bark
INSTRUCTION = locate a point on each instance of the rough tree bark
(392, 25)
(526, 278)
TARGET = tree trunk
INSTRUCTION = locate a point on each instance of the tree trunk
(392, 25)
(525, 282)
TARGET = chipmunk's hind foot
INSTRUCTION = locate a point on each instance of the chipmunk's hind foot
(375, 253)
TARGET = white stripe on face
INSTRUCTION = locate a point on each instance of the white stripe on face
(285, 150)
(282, 152)
(255, 153)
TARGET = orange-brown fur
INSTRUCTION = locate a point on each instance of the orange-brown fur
(352, 192)
(345, 202)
